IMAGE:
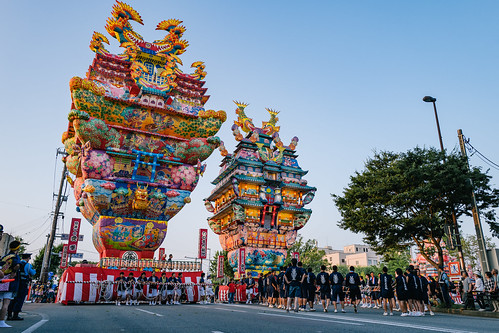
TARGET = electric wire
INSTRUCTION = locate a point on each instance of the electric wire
(35, 227)
(484, 158)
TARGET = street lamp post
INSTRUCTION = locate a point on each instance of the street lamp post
(430, 99)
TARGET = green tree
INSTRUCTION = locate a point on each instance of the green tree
(403, 199)
(228, 270)
(55, 260)
(396, 259)
(310, 255)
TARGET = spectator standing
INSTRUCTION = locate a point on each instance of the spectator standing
(250, 289)
(479, 288)
(232, 291)
(489, 288)
(13, 263)
(467, 289)
(26, 272)
(495, 293)
(443, 282)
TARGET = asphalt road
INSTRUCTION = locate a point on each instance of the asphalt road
(216, 318)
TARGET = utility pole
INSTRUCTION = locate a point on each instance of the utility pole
(48, 248)
(482, 246)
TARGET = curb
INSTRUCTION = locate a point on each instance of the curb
(471, 313)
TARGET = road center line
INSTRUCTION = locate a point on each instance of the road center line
(315, 319)
(33, 327)
(149, 312)
(228, 309)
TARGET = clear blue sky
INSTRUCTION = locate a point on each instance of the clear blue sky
(347, 76)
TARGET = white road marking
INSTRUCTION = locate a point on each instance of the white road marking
(149, 312)
(397, 324)
(360, 320)
(33, 327)
(230, 310)
(217, 332)
(315, 319)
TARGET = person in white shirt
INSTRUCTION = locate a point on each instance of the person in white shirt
(479, 288)
(209, 290)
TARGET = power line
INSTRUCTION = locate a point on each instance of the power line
(36, 227)
(21, 205)
(484, 158)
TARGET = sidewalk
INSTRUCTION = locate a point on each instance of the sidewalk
(475, 313)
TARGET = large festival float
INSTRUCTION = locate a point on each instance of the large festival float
(259, 197)
(137, 135)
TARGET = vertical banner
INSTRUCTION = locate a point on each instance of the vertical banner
(161, 253)
(74, 235)
(296, 255)
(241, 262)
(203, 243)
(64, 257)
(220, 267)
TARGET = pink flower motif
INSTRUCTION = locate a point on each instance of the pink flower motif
(108, 186)
(172, 193)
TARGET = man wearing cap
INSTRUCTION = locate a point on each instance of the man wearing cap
(14, 263)
(26, 272)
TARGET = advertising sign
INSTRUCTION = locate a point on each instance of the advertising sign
(296, 255)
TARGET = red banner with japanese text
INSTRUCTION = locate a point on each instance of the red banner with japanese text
(74, 235)
(220, 267)
(64, 257)
(241, 262)
(203, 243)
(296, 255)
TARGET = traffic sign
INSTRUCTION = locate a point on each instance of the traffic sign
(66, 237)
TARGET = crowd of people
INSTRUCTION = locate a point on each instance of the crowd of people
(43, 293)
(294, 288)
(15, 277)
(161, 289)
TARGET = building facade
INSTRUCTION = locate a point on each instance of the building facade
(352, 255)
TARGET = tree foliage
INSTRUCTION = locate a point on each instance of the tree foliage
(55, 260)
(403, 199)
(310, 255)
(228, 270)
(396, 259)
